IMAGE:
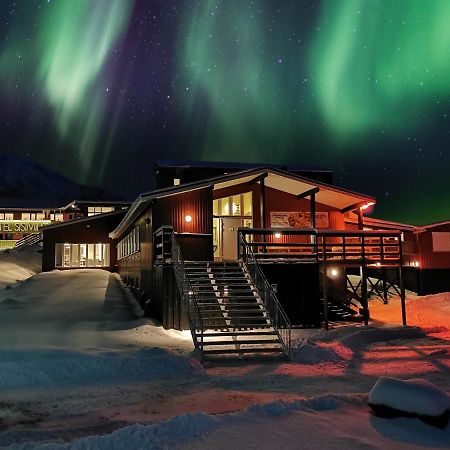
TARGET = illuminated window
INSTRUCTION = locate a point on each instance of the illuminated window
(94, 210)
(82, 255)
(57, 217)
(129, 244)
(9, 216)
(176, 181)
(237, 205)
(26, 216)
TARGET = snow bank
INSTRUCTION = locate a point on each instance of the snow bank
(19, 264)
(336, 346)
(161, 435)
(416, 396)
(55, 369)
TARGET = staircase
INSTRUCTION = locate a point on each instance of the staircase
(235, 320)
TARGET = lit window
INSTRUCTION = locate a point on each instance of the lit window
(82, 255)
(9, 216)
(176, 181)
(26, 216)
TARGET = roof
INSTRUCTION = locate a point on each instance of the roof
(372, 221)
(237, 165)
(97, 202)
(83, 219)
(421, 229)
(276, 179)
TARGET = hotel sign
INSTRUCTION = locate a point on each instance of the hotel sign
(22, 226)
(286, 219)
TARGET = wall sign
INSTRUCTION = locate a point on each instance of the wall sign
(295, 219)
(22, 226)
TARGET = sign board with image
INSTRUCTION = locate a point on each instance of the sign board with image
(295, 219)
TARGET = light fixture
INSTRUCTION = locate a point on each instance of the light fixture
(378, 264)
(277, 235)
(416, 264)
(367, 205)
(188, 218)
(334, 272)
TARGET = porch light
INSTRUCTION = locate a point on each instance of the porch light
(334, 272)
(368, 205)
(416, 264)
(188, 218)
(277, 235)
(378, 264)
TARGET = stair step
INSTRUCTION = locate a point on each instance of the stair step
(242, 342)
(229, 305)
(238, 333)
(244, 350)
(250, 326)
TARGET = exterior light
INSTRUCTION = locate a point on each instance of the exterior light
(416, 264)
(277, 235)
(334, 272)
(188, 218)
(367, 205)
(378, 264)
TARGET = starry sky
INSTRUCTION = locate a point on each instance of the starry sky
(100, 89)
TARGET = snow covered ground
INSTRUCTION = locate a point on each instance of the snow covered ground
(80, 368)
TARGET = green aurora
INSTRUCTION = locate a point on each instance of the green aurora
(61, 56)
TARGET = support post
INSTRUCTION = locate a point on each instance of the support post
(400, 281)
(364, 299)
(263, 210)
(324, 281)
(312, 204)
(360, 219)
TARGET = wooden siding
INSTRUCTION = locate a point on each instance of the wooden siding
(92, 231)
(173, 209)
(428, 258)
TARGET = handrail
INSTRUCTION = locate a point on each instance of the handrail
(187, 293)
(278, 317)
(371, 247)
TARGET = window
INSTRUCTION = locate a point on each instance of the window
(441, 241)
(129, 244)
(9, 216)
(57, 217)
(82, 255)
(26, 216)
(236, 205)
(94, 210)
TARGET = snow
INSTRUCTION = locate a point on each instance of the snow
(81, 368)
(417, 396)
(19, 264)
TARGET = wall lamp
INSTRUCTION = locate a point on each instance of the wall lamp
(188, 218)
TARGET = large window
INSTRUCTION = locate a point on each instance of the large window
(82, 255)
(235, 205)
(129, 244)
(98, 209)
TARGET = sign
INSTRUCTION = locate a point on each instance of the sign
(22, 226)
(295, 219)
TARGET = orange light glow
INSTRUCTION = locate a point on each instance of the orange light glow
(187, 218)
(367, 205)
(277, 235)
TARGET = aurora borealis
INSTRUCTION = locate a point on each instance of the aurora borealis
(100, 89)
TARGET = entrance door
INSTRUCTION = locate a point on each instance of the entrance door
(230, 227)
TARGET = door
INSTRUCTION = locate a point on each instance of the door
(230, 227)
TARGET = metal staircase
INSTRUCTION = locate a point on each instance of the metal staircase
(235, 320)
(229, 313)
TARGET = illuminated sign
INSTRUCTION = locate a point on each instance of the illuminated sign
(295, 219)
(22, 226)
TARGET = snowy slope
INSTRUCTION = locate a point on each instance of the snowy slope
(19, 264)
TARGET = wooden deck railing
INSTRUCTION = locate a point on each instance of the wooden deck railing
(378, 248)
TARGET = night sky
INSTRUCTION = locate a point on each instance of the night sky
(100, 89)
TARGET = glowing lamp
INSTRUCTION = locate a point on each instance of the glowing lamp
(188, 218)
(378, 264)
(277, 235)
(367, 205)
(334, 272)
(416, 264)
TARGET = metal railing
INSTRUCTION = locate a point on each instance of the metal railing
(30, 239)
(187, 293)
(278, 318)
(7, 244)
